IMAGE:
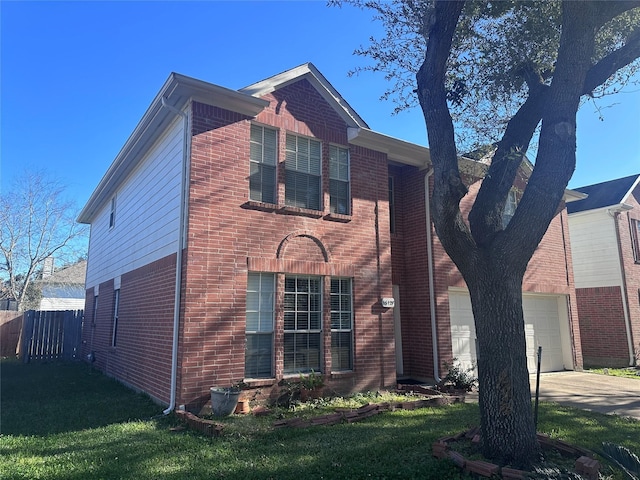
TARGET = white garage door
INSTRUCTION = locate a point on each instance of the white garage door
(542, 328)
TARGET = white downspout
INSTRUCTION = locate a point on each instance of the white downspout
(615, 214)
(432, 293)
(181, 232)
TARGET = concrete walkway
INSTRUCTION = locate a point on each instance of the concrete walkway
(589, 391)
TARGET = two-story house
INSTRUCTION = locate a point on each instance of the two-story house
(254, 235)
(605, 240)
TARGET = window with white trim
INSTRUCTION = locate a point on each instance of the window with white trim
(259, 325)
(339, 180)
(303, 172)
(112, 213)
(302, 324)
(509, 208)
(116, 308)
(262, 166)
(341, 324)
(95, 309)
(635, 238)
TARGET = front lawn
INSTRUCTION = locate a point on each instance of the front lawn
(630, 372)
(66, 421)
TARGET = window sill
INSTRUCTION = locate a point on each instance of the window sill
(262, 206)
(337, 217)
(259, 382)
(305, 212)
(343, 374)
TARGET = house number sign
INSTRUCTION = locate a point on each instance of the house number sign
(388, 302)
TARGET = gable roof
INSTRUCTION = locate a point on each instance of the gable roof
(72, 275)
(605, 194)
(320, 83)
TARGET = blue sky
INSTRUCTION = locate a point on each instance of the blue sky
(76, 77)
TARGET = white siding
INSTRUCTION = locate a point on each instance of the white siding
(62, 304)
(594, 249)
(147, 214)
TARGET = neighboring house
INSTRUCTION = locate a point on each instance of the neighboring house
(605, 242)
(283, 229)
(63, 289)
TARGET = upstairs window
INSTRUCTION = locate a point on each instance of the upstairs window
(112, 213)
(303, 167)
(339, 180)
(263, 159)
(509, 208)
(635, 239)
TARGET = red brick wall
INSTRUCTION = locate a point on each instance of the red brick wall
(410, 271)
(142, 355)
(631, 269)
(602, 328)
(228, 237)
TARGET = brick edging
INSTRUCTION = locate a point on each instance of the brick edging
(585, 464)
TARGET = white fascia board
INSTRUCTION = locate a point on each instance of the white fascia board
(618, 207)
(319, 82)
(573, 196)
(177, 91)
(633, 187)
(405, 152)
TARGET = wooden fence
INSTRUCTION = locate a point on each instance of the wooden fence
(10, 328)
(49, 335)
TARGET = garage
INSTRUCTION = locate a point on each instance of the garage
(546, 325)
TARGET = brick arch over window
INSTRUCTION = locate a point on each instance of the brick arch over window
(303, 246)
(303, 253)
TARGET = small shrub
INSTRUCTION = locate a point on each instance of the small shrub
(458, 377)
(311, 381)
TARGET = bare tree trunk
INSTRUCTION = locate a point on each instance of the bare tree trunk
(504, 394)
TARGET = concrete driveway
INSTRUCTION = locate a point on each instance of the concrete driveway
(588, 391)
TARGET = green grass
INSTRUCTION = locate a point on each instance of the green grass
(62, 421)
(618, 372)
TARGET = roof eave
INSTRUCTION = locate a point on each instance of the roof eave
(177, 91)
(397, 150)
(615, 208)
(573, 196)
(407, 153)
(630, 191)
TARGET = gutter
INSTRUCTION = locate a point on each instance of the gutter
(615, 214)
(181, 235)
(432, 293)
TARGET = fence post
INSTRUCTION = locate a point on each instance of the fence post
(27, 335)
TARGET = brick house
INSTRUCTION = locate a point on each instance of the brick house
(296, 223)
(605, 239)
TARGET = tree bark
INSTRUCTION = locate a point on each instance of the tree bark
(508, 430)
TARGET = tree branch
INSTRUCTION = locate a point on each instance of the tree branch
(608, 65)
(486, 214)
(439, 26)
